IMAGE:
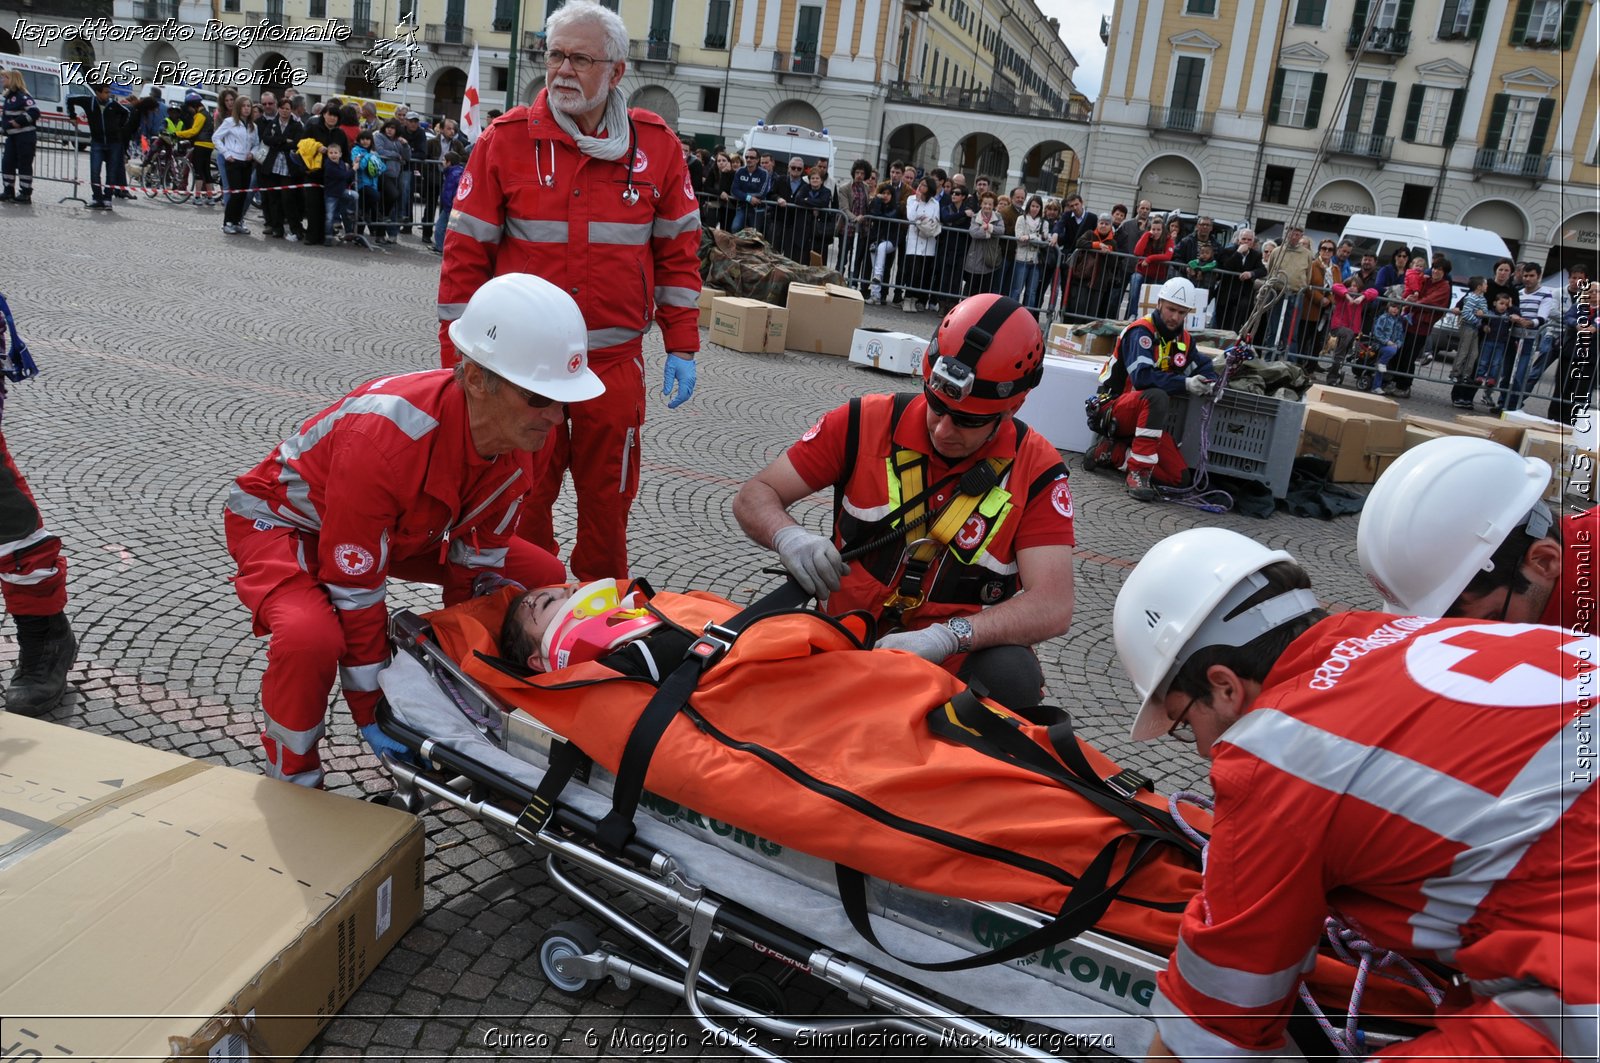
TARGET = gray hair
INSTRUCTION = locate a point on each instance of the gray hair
(575, 13)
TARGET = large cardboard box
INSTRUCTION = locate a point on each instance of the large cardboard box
(777, 329)
(1055, 408)
(1573, 466)
(823, 319)
(1448, 428)
(740, 323)
(893, 352)
(1061, 341)
(1365, 401)
(1416, 435)
(1506, 433)
(1356, 443)
(154, 905)
(707, 296)
(1549, 447)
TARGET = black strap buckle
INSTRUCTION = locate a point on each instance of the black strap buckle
(1128, 782)
(709, 648)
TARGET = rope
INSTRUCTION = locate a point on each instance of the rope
(217, 192)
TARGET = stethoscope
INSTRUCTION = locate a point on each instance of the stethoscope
(630, 194)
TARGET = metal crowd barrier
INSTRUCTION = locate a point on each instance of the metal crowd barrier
(55, 156)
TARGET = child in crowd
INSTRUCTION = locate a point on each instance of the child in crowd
(1416, 275)
(338, 198)
(1496, 338)
(453, 168)
(1389, 329)
(369, 168)
(1469, 313)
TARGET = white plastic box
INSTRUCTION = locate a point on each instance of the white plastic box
(1055, 407)
(893, 352)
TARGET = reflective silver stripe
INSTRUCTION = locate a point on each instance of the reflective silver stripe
(626, 233)
(451, 311)
(1190, 1041)
(24, 579)
(297, 493)
(351, 598)
(383, 551)
(668, 295)
(612, 337)
(1143, 459)
(1149, 433)
(298, 742)
(1137, 362)
(310, 779)
(508, 521)
(1242, 989)
(987, 560)
(485, 232)
(627, 454)
(248, 506)
(667, 228)
(411, 420)
(462, 553)
(361, 676)
(1571, 1026)
(867, 513)
(22, 544)
(537, 232)
(498, 491)
(1497, 829)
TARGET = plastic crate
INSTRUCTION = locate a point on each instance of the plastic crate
(1252, 437)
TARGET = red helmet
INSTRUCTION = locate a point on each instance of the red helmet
(986, 356)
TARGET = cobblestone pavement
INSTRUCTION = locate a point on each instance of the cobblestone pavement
(175, 357)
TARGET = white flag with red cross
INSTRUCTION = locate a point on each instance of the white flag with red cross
(469, 101)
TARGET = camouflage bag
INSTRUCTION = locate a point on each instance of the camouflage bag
(742, 264)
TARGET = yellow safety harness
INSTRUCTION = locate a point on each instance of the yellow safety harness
(924, 557)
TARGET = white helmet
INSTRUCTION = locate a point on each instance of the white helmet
(1175, 602)
(1435, 517)
(529, 332)
(1180, 291)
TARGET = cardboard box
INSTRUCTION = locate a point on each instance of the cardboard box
(1447, 428)
(1549, 448)
(1417, 435)
(1353, 441)
(740, 323)
(156, 905)
(1507, 433)
(1365, 401)
(1061, 341)
(893, 352)
(777, 329)
(707, 296)
(1055, 408)
(823, 319)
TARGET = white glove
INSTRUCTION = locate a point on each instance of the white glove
(813, 561)
(933, 643)
(1199, 385)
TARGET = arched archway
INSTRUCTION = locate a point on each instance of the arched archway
(914, 144)
(1334, 203)
(1170, 182)
(1051, 166)
(1576, 241)
(449, 87)
(78, 50)
(658, 99)
(8, 44)
(360, 78)
(795, 112)
(1499, 216)
(982, 154)
(273, 62)
(155, 54)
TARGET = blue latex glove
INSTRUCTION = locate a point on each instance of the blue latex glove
(381, 743)
(680, 372)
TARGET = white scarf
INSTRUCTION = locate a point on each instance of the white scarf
(612, 146)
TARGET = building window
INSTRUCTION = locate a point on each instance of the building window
(505, 12)
(710, 98)
(718, 12)
(230, 6)
(1294, 98)
(1433, 106)
(1187, 79)
(1414, 200)
(1310, 12)
(1544, 23)
(1277, 183)
(1517, 129)
(660, 21)
(1457, 20)
(1387, 12)
(230, 54)
(1200, 7)
(499, 77)
(314, 63)
(808, 35)
(317, 8)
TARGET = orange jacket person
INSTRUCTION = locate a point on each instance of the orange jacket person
(595, 197)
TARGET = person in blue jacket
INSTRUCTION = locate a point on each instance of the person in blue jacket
(19, 119)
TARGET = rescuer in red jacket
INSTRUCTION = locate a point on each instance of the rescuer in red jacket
(1456, 527)
(596, 198)
(416, 476)
(1427, 782)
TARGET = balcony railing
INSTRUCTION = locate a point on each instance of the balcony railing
(363, 27)
(533, 41)
(1381, 41)
(1511, 164)
(157, 10)
(653, 52)
(450, 33)
(807, 64)
(980, 100)
(1364, 145)
(1181, 120)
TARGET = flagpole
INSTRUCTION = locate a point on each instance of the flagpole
(516, 47)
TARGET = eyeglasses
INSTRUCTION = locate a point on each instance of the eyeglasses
(1180, 728)
(580, 62)
(796, 169)
(957, 418)
(1324, 247)
(538, 402)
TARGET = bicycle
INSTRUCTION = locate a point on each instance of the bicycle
(168, 172)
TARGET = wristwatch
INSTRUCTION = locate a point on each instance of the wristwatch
(961, 627)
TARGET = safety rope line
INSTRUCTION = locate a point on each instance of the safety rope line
(215, 193)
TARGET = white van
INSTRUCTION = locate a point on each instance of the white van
(1470, 251)
(43, 78)
(784, 142)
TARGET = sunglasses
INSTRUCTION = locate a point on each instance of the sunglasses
(957, 418)
(538, 402)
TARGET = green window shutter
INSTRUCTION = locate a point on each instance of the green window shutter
(1402, 15)
(1319, 85)
(1277, 97)
(1408, 132)
(1380, 118)
(1319, 12)
(1358, 20)
(1497, 121)
(1447, 18)
(1479, 7)
(1358, 103)
(1519, 21)
(1570, 17)
(1452, 122)
(1541, 126)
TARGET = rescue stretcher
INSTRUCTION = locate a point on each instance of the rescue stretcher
(721, 885)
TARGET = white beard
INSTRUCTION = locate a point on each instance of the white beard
(583, 104)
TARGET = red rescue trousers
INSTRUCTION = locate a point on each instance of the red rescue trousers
(33, 574)
(1142, 415)
(599, 442)
(1481, 1030)
(307, 639)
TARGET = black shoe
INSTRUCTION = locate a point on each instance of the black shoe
(24, 198)
(99, 205)
(7, 196)
(1098, 456)
(1138, 485)
(48, 651)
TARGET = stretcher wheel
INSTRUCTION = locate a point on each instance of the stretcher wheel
(564, 941)
(759, 992)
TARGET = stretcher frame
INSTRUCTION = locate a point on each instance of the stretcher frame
(1100, 986)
